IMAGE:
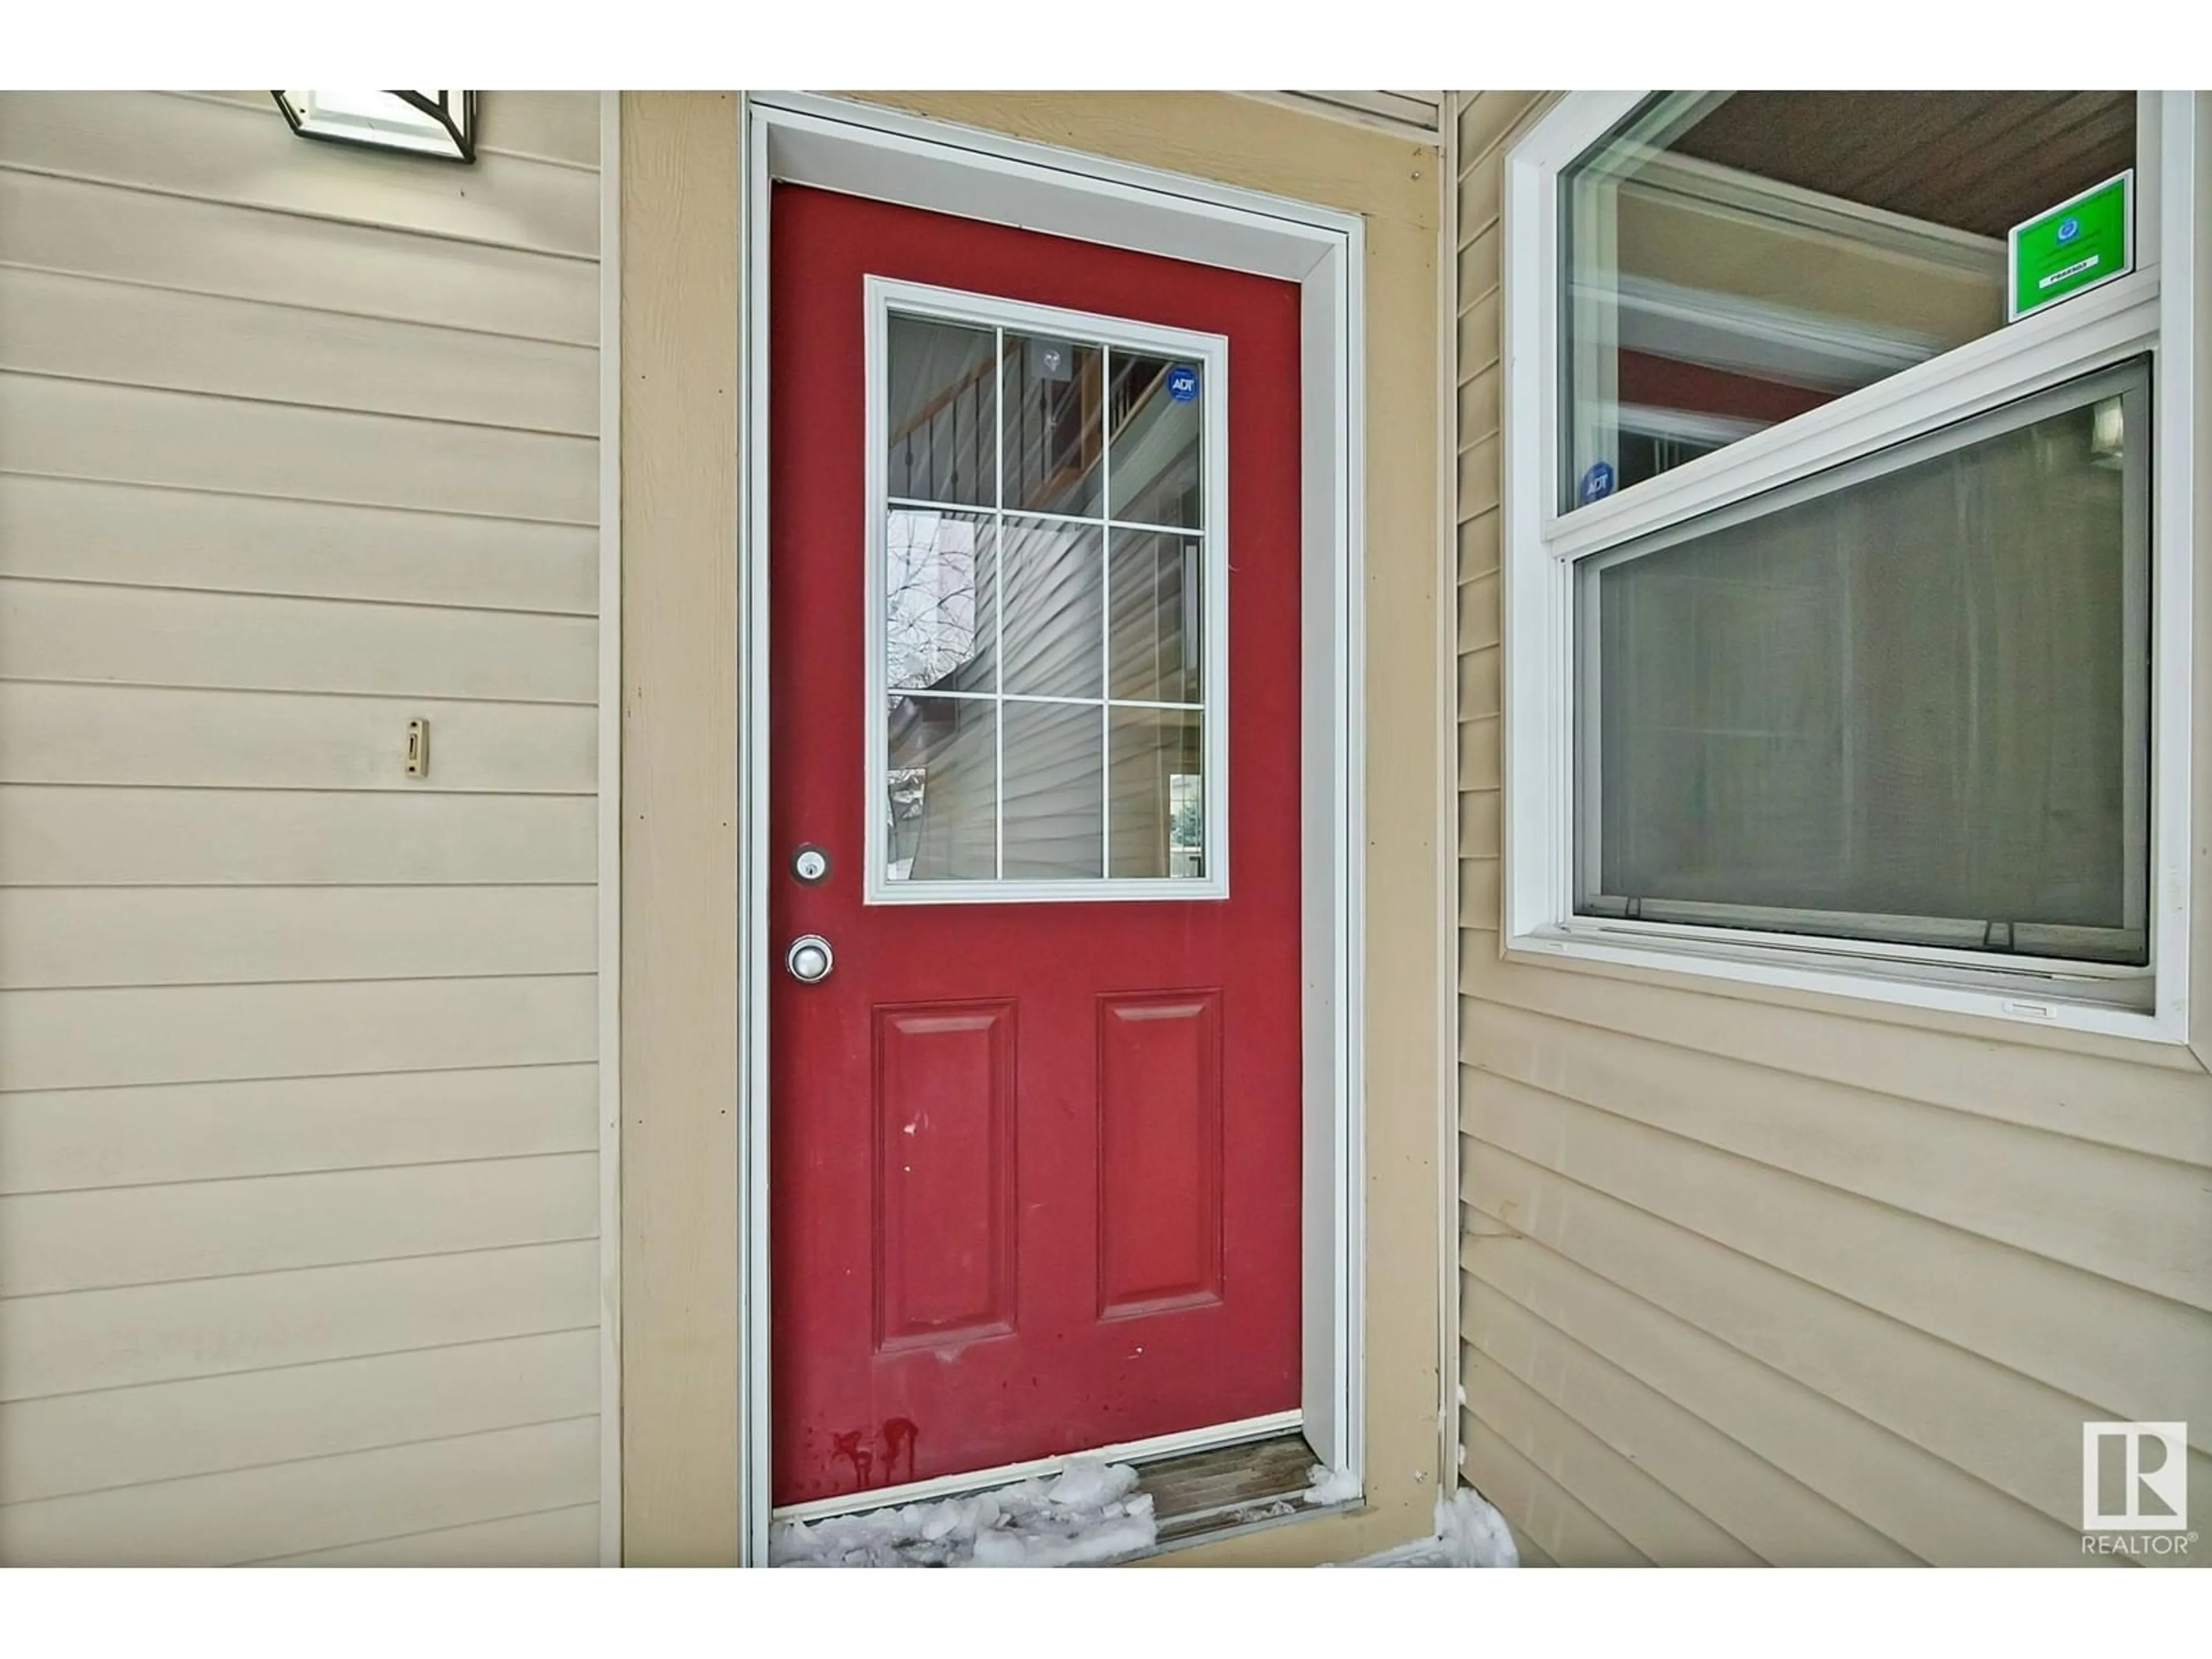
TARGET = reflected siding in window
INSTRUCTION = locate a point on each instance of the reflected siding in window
(943, 789)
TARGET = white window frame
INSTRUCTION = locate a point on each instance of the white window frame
(2150, 311)
(1210, 353)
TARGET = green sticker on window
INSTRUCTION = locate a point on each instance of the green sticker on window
(2078, 245)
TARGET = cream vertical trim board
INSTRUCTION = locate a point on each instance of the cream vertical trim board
(610, 830)
(679, 846)
(840, 145)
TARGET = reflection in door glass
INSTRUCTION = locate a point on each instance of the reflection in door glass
(1153, 642)
(1153, 409)
(1054, 786)
(1054, 437)
(942, 792)
(940, 626)
(1158, 793)
(943, 414)
(1043, 606)
(1053, 635)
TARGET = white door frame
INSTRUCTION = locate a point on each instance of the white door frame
(866, 150)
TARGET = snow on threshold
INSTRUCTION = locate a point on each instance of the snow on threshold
(1089, 1511)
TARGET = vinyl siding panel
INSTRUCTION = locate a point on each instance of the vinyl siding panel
(134, 434)
(56, 937)
(91, 530)
(299, 1095)
(217, 151)
(61, 1140)
(87, 1442)
(122, 836)
(138, 735)
(126, 1036)
(77, 632)
(195, 245)
(1417, 115)
(124, 334)
(83, 1340)
(308, 1503)
(1841, 1282)
(549, 1538)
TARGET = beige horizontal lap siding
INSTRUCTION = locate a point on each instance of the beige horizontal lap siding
(1401, 114)
(1750, 1276)
(299, 1140)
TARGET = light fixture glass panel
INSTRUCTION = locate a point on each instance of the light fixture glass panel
(427, 122)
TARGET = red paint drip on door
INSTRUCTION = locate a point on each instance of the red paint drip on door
(900, 1434)
(847, 1447)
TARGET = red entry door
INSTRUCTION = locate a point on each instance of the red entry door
(1034, 544)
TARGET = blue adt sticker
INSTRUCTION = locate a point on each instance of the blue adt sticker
(1597, 482)
(2069, 230)
(1183, 383)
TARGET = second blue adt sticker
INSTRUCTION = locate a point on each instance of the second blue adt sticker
(1183, 383)
(1597, 482)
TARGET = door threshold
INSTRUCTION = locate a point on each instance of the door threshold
(1204, 1495)
(1158, 1448)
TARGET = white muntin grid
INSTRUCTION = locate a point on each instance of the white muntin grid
(1208, 355)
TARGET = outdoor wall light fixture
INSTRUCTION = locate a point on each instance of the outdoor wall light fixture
(442, 124)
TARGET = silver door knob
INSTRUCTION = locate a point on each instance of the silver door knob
(810, 958)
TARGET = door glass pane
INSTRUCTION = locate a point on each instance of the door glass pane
(1911, 707)
(940, 790)
(1054, 395)
(1055, 790)
(1042, 608)
(1732, 260)
(1158, 793)
(1156, 431)
(1053, 633)
(942, 413)
(1155, 582)
(939, 598)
